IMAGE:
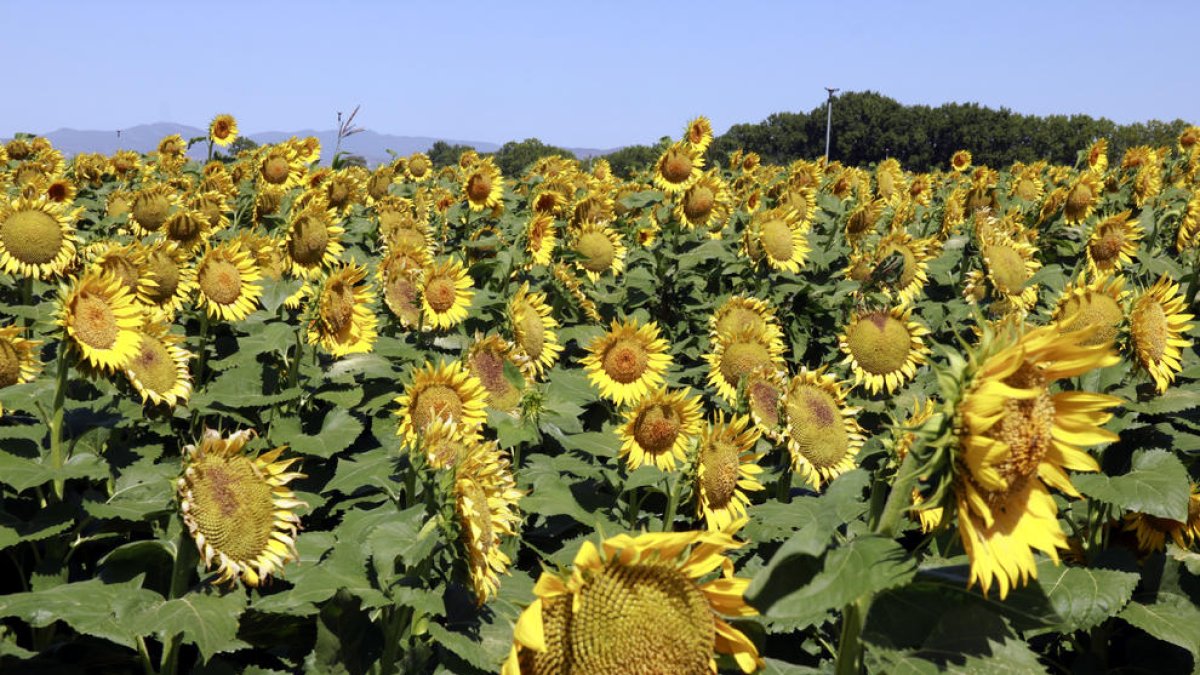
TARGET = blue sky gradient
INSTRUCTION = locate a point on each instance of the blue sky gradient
(583, 74)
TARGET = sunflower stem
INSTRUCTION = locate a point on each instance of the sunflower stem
(27, 297)
(202, 349)
(186, 556)
(899, 499)
(849, 656)
(675, 487)
(783, 489)
(57, 454)
(144, 656)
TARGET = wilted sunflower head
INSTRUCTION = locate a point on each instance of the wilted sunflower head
(399, 278)
(238, 508)
(636, 604)
(490, 360)
(342, 320)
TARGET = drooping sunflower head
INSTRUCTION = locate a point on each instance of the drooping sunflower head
(823, 435)
(726, 469)
(600, 250)
(187, 227)
(541, 238)
(698, 134)
(101, 318)
(1113, 244)
(486, 498)
(158, 370)
(1095, 307)
(18, 358)
(1158, 325)
(228, 279)
(172, 146)
(658, 429)
(736, 355)
(483, 185)
(884, 348)
(1152, 532)
(443, 391)
(677, 168)
(775, 235)
(446, 293)
(490, 360)
(36, 238)
(342, 321)
(533, 330)
(223, 130)
(1015, 438)
(238, 508)
(628, 361)
(1082, 198)
(399, 280)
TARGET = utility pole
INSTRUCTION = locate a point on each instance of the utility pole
(829, 119)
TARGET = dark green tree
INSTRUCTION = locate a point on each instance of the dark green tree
(514, 156)
(442, 153)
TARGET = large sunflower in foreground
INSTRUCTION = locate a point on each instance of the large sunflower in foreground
(533, 330)
(228, 277)
(486, 498)
(342, 320)
(1158, 325)
(101, 319)
(18, 358)
(238, 508)
(443, 391)
(158, 370)
(446, 293)
(726, 470)
(678, 168)
(636, 604)
(36, 238)
(884, 348)
(658, 428)
(1152, 532)
(600, 250)
(1016, 440)
(628, 361)
(823, 435)
(223, 130)
(483, 185)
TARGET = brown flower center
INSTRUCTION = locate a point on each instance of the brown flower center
(221, 281)
(437, 401)
(625, 361)
(815, 426)
(440, 293)
(677, 166)
(94, 322)
(275, 170)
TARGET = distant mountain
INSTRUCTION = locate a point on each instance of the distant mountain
(373, 146)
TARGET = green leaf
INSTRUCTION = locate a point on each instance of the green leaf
(1175, 399)
(596, 443)
(338, 430)
(23, 474)
(1172, 618)
(486, 654)
(207, 620)
(371, 468)
(1081, 597)
(91, 607)
(1157, 485)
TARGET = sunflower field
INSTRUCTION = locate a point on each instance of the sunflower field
(264, 415)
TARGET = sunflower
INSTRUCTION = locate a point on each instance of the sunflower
(212, 206)
(60, 191)
(802, 201)
(187, 227)
(736, 355)
(775, 235)
(123, 261)
(726, 470)
(705, 204)
(486, 498)
(118, 204)
(889, 179)
(101, 319)
(1097, 156)
(914, 256)
(18, 358)
(172, 146)
(483, 185)
(636, 603)
(1113, 244)
(863, 220)
(1027, 186)
(884, 348)
(223, 130)
(904, 435)
(169, 279)
(442, 443)
(227, 277)
(313, 240)
(280, 168)
(125, 164)
(159, 369)
(1152, 532)
(698, 134)
(488, 358)
(592, 207)
(419, 168)
(766, 387)
(1015, 438)
(443, 391)
(378, 184)
(678, 168)
(152, 204)
(744, 314)
(342, 191)
(342, 321)
(446, 293)
(1096, 307)
(1189, 226)
(628, 361)
(1082, 197)
(399, 279)
(658, 428)
(823, 436)
(533, 331)
(960, 161)
(550, 199)
(1010, 263)
(239, 509)
(541, 238)
(36, 238)
(1157, 326)
(600, 250)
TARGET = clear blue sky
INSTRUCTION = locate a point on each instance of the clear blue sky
(584, 74)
